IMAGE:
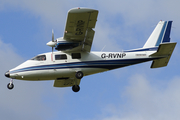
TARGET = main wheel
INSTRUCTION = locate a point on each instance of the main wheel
(10, 86)
(75, 88)
(79, 75)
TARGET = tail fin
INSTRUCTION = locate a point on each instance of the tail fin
(161, 34)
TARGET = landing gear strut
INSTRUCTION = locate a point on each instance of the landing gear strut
(10, 85)
(76, 87)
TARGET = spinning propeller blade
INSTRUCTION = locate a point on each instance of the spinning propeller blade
(52, 39)
(52, 35)
(52, 47)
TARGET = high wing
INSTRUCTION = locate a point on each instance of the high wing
(79, 28)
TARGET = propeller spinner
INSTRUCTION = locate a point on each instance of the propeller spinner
(52, 43)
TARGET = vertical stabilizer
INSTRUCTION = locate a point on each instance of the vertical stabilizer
(161, 34)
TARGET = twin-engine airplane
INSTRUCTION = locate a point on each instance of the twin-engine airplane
(74, 58)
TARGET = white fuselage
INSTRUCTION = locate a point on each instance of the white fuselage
(65, 65)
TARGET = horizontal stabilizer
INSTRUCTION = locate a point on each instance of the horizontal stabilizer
(165, 51)
(65, 82)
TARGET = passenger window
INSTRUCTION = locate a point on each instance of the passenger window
(61, 57)
(39, 58)
(76, 56)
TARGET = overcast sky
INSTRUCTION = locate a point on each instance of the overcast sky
(132, 93)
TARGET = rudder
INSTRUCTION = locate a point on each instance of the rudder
(161, 34)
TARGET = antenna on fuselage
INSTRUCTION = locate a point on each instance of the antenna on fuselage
(103, 48)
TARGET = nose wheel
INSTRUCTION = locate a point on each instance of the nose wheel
(10, 85)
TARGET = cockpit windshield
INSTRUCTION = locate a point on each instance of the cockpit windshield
(39, 58)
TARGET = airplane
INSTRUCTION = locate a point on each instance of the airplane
(74, 59)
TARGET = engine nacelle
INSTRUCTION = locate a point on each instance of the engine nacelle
(60, 44)
(65, 45)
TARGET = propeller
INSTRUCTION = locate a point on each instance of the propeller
(52, 44)
(52, 39)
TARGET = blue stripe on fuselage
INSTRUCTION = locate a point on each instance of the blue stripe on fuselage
(106, 64)
(144, 49)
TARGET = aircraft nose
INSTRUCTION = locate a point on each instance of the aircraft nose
(7, 74)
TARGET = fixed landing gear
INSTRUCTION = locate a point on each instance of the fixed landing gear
(79, 75)
(75, 88)
(10, 85)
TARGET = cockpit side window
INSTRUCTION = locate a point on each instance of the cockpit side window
(60, 57)
(39, 58)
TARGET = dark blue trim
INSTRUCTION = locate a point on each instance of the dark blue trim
(141, 50)
(161, 34)
(106, 64)
(167, 32)
(66, 45)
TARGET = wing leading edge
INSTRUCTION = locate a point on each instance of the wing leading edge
(79, 27)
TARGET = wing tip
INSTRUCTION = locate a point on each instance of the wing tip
(81, 10)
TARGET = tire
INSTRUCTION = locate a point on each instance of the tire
(79, 75)
(10, 87)
(75, 88)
